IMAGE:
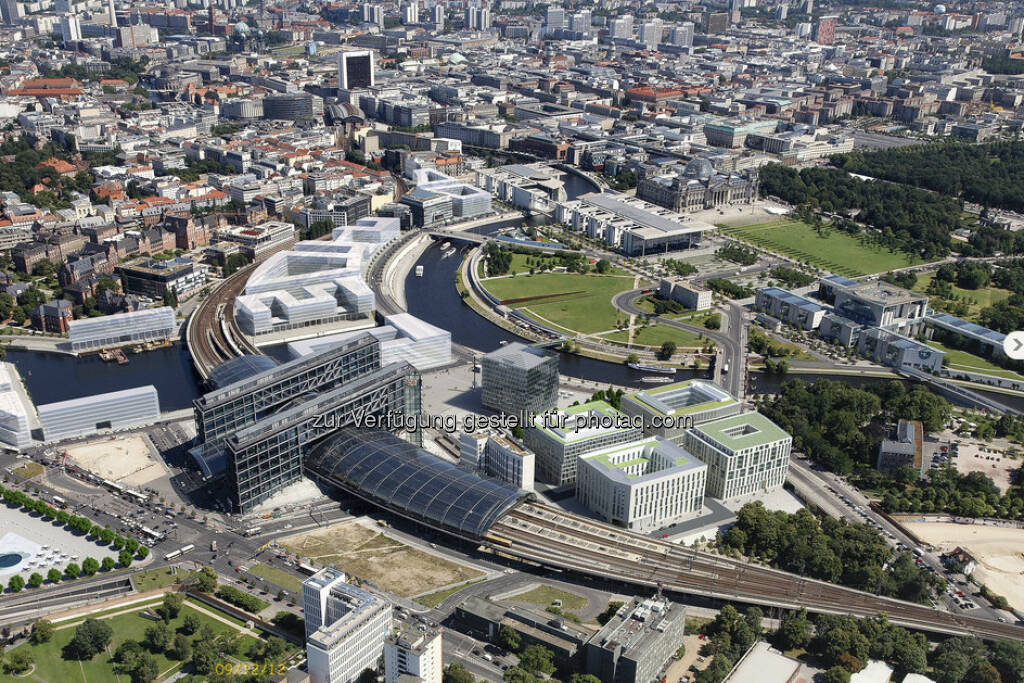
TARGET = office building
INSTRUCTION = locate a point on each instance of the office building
(630, 224)
(438, 17)
(669, 410)
(466, 201)
(651, 33)
(636, 642)
(790, 308)
(411, 654)
(555, 19)
(411, 14)
(428, 208)
(316, 284)
(534, 187)
(508, 463)
(91, 414)
(622, 27)
(256, 242)
(642, 485)
(682, 35)
(348, 628)
(520, 379)
(478, 18)
(293, 106)
(267, 456)
(905, 450)
(355, 68)
(859, 306)
(154, 278)
(403, 337)
(249, 388)
(11, 11)
(745, 454)
(70, 28)
(15, 409)
(580, 22)
(151, 324)
(689, 294)
(561, 438)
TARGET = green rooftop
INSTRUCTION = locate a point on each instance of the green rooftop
(683, 398)
(740, 432)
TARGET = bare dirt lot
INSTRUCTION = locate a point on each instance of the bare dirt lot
(990, 462)
(127, 459)
(385, 562)
(997, 549)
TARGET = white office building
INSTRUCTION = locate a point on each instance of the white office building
(412, 655)
(92, 414)
(559, 439)
(467, 200)
(745, 454)
(315, 283)
(345, 627)
(643, 485)
(671, 409)
(509, 463)
(122, 328)
(15, 409)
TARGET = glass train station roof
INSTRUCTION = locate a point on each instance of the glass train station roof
(397, 475)
(240, 368)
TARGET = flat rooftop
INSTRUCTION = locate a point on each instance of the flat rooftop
(520, 355)
(650, 220)
(592, 411)
(683, 398)
(881, 292)
(740, 432)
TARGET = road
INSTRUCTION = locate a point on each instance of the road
(843, 500)
(732, 342)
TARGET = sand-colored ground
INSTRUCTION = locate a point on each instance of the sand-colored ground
(127, 460)
(995, 465)
(999, 551)
(372, 556)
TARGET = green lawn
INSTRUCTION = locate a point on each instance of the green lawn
(976, 299)
(278, 577)
(149, 579)
(29, 470)
(957, 359)
(51, 666)
(544, 595)
(656, 335)
(434, 599)
(588, 310)
(834, 250)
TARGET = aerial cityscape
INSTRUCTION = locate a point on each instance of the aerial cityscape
(445, 341)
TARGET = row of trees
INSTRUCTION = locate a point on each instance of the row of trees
(791, 276)
(944, 490)
(729, 288)
(737, 254)
(904, 218)
(988, 174)
(838, 425)
(849, 554)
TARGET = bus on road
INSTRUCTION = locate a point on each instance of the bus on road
(171, 555)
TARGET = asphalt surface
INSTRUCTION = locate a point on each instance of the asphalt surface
(732, 342)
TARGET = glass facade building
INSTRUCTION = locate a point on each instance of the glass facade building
(90, 414)
(520, 379)
(266, 456)
(122, 328)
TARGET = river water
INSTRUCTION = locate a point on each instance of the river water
(56, 377)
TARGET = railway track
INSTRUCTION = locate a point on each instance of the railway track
(554, 538)
(213, 336)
